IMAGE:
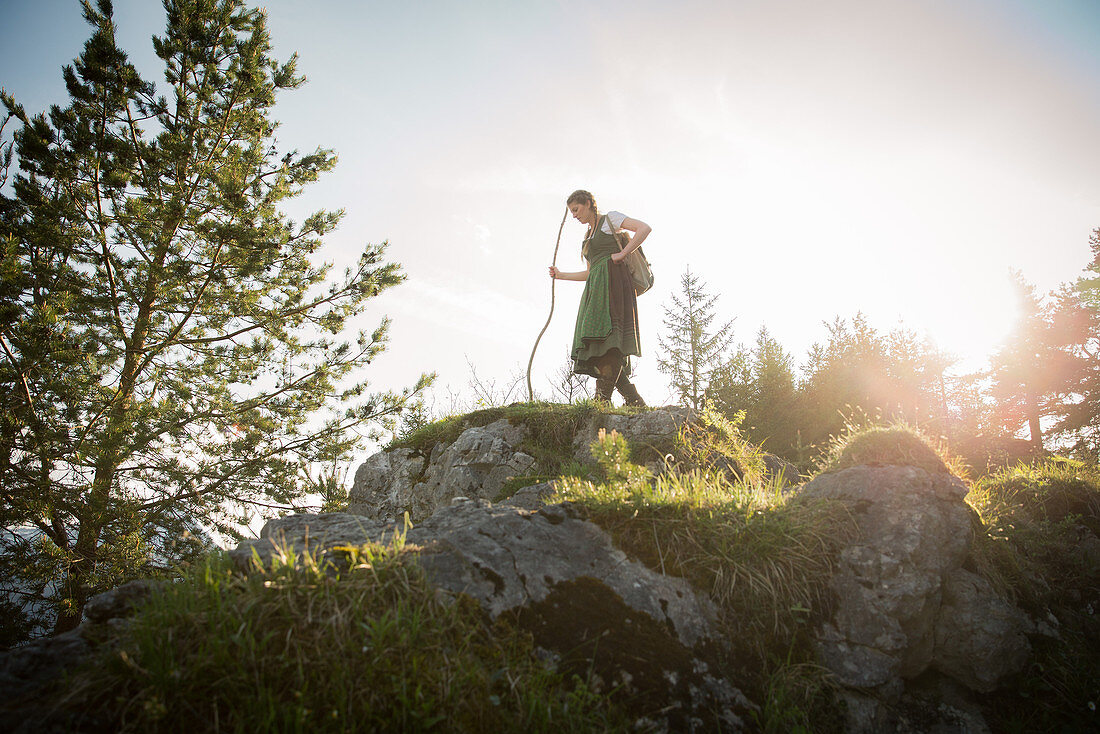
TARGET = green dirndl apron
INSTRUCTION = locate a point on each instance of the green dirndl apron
(608, 316)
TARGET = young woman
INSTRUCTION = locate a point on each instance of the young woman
(606, 333)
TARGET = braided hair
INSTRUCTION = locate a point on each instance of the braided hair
(580, 196)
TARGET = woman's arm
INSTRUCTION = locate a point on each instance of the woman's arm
(581, 275)
(640, 229)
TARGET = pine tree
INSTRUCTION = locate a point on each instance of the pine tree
(1035, 372)
(691, 349)
(1079, 310)
(172, 354)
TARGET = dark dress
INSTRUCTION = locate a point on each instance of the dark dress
(608, 314)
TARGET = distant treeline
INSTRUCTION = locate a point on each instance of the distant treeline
(1040, 391)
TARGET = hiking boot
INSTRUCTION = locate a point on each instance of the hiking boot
(605, 388)
(629, 392)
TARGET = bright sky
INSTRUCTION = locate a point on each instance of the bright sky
(809, 159)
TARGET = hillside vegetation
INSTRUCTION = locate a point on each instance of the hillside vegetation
(361, 642)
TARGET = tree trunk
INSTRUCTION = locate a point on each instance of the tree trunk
(107, 463)
(76, 578)
(1033, 421)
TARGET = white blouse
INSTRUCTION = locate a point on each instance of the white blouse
(616, 219)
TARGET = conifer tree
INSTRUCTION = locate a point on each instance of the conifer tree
(761, 382)
(861, 371)
(1036, 371)
(171, 353)
(691, 348)
(1079, 314)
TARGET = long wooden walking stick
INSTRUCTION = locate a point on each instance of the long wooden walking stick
(553, 281)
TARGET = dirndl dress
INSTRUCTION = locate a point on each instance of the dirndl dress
(608, 315)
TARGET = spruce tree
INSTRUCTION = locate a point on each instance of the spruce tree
(173, 354)
(761, 382)
(691, 348)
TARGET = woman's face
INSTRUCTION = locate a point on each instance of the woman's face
(582, 212)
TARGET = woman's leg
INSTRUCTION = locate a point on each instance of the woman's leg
(628, 391)
(608, 369)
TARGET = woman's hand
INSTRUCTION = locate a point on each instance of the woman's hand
(553, 272)
(618, 257)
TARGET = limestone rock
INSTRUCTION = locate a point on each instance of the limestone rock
(980, 637)
(531, 498)
(383, 484)
(25, 669)
(120, 601)
(936, 706)
(477, 464)
(656, 430)
(782, 472)
(28, 671)
(314, 533)
(914, 529)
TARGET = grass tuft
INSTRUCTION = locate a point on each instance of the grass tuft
(896, 443)
(1041, 547)
(764, 559)
(364, 644)
(714, 443)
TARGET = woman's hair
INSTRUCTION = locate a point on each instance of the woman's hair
(580, 196)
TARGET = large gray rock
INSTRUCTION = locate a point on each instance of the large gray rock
(30, 675)
(560, 577)
(980, 637)
(914, 529)
(656, 430)
(532, 497)
(780, 471)
(903, 603)
(25, 669)
(477, 464)
(383, 485)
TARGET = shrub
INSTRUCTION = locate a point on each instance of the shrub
(714, 443)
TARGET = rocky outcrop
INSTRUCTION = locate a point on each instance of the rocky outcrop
(912, 635)
(653, 432)
(903, 602)
(476, 465)
(482, 460)
(980, 637)
(646, 635)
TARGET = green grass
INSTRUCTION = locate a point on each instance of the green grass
(365, 645)
(764, 559)
(714, 443)
(895, 443)
(370, 646)
(1039, 547)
